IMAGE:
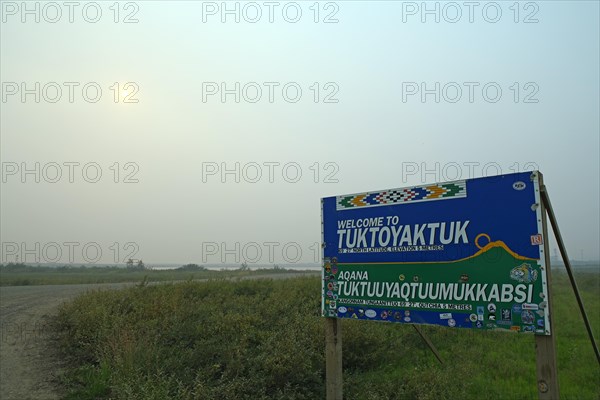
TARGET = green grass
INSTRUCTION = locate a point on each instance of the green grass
(23, 275)
(264, 340)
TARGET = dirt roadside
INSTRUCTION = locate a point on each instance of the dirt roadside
(28, 361)
(28, 365)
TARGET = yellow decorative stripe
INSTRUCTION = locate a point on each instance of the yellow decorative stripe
(485, 249)
(499, 243)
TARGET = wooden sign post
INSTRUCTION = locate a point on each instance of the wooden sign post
(333, 358)
(545, 346)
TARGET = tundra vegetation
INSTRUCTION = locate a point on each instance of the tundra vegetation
(264, 339)
(18, 274)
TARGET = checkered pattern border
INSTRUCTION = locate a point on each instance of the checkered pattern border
(414, 194)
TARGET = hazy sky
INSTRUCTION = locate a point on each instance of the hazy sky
(372, 95)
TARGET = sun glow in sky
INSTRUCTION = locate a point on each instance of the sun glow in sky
(229, 133)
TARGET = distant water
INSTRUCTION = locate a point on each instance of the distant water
(585, 266)
(218, 267)
(162, 266)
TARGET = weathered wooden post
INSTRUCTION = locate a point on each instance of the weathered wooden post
(545, 345)
(333, 358)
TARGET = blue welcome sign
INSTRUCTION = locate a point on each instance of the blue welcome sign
(465, 254)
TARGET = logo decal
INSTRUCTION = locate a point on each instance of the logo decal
(524, 273)
(519, 185)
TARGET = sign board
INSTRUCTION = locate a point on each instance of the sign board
(463, 254)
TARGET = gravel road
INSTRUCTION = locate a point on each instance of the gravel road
(28, 361)
(28, 365)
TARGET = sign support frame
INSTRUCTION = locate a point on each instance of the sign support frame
(567, 262)
(545, 345)
(429, 343)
